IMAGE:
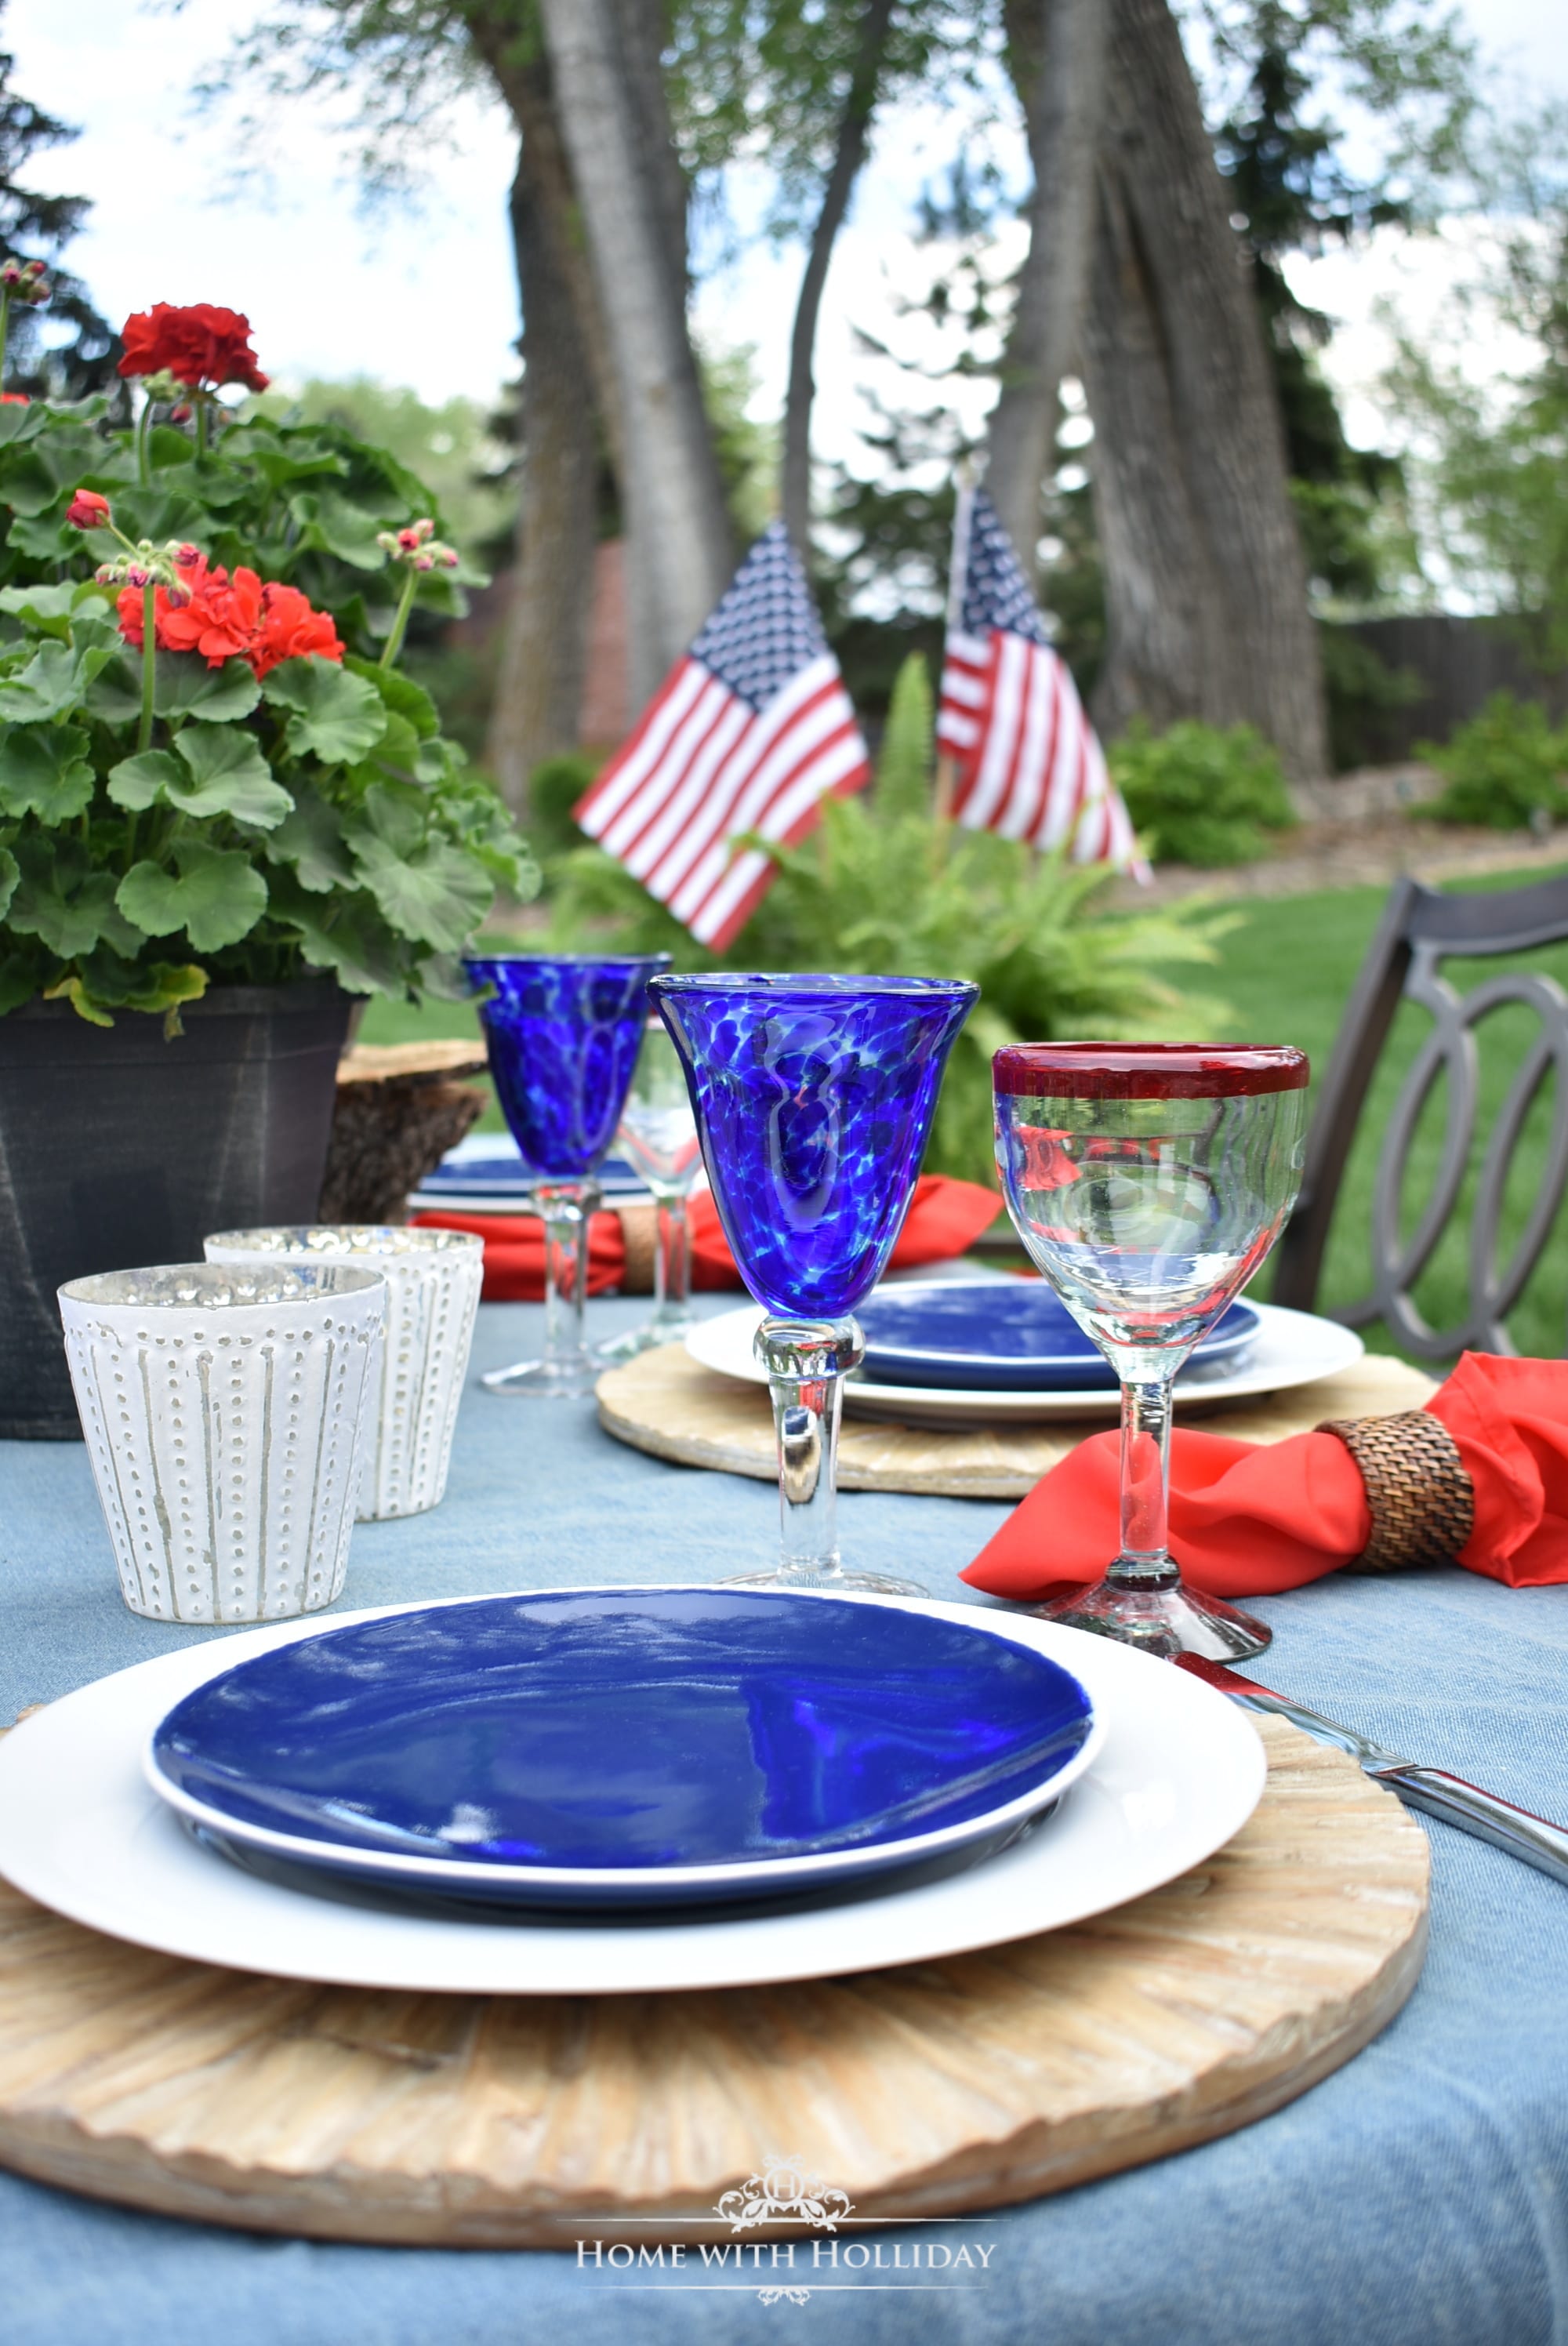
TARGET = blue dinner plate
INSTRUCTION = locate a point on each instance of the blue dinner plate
(626, 1747)
(497, 1172)
(1002, 1335)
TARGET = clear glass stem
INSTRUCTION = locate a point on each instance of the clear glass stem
(672, 1260)
(564, 1208)
(1145, 1561)
(806, 1362)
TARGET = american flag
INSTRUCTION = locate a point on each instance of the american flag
(747, 733)
(1028, 762)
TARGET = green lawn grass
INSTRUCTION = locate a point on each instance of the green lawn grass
(1285, 969)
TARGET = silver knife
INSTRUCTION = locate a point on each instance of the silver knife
(1531, 1839)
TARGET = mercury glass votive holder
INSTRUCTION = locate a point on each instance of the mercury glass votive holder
(433, 1278)
(224, 1409)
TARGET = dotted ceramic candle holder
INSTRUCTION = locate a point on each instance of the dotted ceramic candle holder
(224, 1412)
(434, 1279)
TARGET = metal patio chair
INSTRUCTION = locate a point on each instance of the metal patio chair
(1420, 928)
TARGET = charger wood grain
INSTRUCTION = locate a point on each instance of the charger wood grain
(525, 2122)
(666, 1403)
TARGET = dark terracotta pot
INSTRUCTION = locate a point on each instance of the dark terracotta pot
(119, 1148)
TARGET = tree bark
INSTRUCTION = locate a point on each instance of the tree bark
(850, 153)
(567, 400)
(1205, 587)
(1056, 51)
(538, 695)
(614, 128)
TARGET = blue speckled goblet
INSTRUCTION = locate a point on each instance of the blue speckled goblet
(814, 1099)
(563, 1032)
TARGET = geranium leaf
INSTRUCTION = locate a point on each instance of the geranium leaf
(125, 983)
(72, 989)
(10, 872)
(47, 537)
(136, 783)
(367, 955)
(46, 608)
(216, 899)
(437, 894)
(59, 900)
(21, 422)
(43, 771)
(401, 694)
(312, 839)
(336, 717)
(183, 686)
(226, 774)
(396, 817)
(331, 520)
(26, 484)
(115, 693)
(46, 686)
(18, 980)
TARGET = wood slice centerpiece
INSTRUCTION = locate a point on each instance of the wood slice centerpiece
(531, 2122)
(668, 1405)
(399, 1108)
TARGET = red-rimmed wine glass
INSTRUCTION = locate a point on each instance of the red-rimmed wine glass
(1148, 1182)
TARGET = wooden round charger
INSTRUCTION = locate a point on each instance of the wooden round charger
(532, 2122)
(666, 1403)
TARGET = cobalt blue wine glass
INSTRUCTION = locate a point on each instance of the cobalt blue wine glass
(814, 1099)
(563, 1032)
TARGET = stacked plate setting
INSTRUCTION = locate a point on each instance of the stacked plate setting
(649, 1789)
(975, 1352)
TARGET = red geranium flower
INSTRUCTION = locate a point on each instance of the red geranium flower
(291, 629)
(15, 399)
(88, 510)
(231, 619)
(200, 344)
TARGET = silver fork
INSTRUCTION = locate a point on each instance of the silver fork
(1532, 1840)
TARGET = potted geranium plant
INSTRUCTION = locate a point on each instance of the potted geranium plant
(224, 812)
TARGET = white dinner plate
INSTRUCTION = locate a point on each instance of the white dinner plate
(82, 1832)
(1292, 1348)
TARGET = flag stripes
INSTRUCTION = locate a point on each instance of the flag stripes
(748, 733)
(1028, 762)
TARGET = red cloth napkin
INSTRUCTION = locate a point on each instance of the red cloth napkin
(946, 1217)
(1249, 1518)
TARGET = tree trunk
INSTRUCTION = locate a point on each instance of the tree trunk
(850, 153)
(543, 643)
(1056, 53)
(538, 695)
(614, 128)
(1205, 585)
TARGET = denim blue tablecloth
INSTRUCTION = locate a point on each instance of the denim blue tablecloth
(1418, 2196)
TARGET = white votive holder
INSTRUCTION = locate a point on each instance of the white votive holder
(224, 1411)
(433, 1278)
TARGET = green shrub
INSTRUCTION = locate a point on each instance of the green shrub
(902, 783)
(873, 892)
(553, 789)
(1200, 795)
(1501, 768)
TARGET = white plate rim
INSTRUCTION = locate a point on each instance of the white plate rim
(722, 1342)
(1244, 1341)
(600, 1884)
(82, 1833)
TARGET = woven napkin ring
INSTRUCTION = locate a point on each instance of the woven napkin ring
(1420, 1496)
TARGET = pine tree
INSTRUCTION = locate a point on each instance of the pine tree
(41, 360)
(1293, 195)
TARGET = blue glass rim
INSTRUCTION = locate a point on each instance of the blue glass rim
(825, 982)
(626, 964)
